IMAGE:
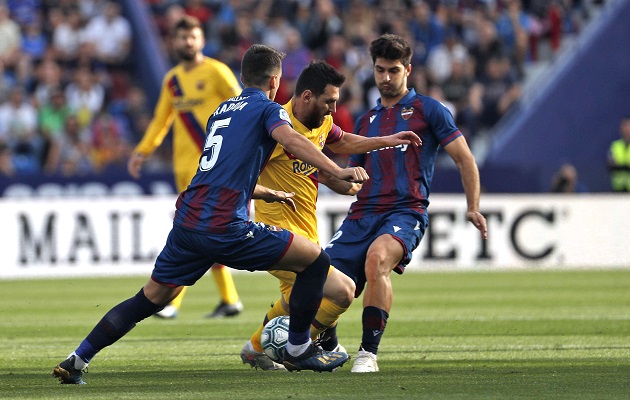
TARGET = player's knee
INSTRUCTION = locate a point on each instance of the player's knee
(376, 267)
(343, 296)
(318, 267)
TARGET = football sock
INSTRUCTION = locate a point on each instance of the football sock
(297, 349)
(306, 297)
(115, 324)
(374, 322)
(275, 311)
(330, 339)
(177, 301)
(225, 284)
(327, 316)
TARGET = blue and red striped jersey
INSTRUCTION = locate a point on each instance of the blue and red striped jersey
(237, 146)
(400, 177)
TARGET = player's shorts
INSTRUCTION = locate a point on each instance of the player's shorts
(188, 254)
(349, 245)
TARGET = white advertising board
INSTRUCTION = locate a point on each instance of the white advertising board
(101, 236)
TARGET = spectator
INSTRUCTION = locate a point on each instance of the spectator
(441, 58)
(493, 95)
(10, 38)
(111, 25)
(34, 42)
(74, 154)
(199, 10)
(85, 96)
(566, 181)
(619, 159)
(110, 149)
(18, 129)
(6, 161)
(67, 37)
(427, 31)
(48, 79)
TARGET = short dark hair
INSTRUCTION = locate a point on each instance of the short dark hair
(259, 63)
(391, 47)
(317, 76)
(187, 23)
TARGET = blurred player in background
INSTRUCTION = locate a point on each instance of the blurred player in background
(315, 98)
(388, 219)
(191, 91)
(211, 222)
(619, 159)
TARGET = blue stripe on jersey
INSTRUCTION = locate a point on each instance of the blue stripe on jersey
(400, 177)
(237, 146)
(335, 134)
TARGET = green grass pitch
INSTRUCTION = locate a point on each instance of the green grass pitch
(468, 335)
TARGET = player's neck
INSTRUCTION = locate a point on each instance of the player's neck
(392, 101)
(190, 64)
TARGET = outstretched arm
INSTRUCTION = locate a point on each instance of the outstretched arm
(337, 185)
(357, 144)
(306, 151)
(465, 161)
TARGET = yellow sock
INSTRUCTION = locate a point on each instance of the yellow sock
(327, 316)
(177, 301)
(276, 310)
(225, 283)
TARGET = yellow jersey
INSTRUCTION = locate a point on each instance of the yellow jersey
(285, 172)
(187, 99)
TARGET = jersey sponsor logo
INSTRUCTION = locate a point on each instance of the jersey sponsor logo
(402, 147)
(284, 115)
(300, 167)
(406, 113)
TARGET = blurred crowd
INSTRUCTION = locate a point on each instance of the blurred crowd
(69, 104)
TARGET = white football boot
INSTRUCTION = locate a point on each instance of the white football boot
(259, 360)
(365, 362)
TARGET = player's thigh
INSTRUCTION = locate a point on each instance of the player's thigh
(301, 253)
(383, 255)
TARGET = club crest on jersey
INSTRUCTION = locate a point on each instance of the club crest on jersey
(406, 113)
(201, 85)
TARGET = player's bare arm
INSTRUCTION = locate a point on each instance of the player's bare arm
(274, 196)
(306, 151)
(337, 185)
(465, 161)
(356, 144)
(134, 165)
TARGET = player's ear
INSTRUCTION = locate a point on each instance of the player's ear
(408, 69)
(274, 81)
(307, 95)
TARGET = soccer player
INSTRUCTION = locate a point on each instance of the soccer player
(388, 219)
(190, 92)
(316, 95)
(211, 222)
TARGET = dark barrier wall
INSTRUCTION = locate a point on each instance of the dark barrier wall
(147, 55)
(576, 117)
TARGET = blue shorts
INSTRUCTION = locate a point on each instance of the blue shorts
(188, 254)
(349, 245)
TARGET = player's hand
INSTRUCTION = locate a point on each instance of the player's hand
(353, 174)
(479, 221)
(278, 196)
(405, 137)
(134, 165)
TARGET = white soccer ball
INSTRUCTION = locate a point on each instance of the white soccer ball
(274, 338)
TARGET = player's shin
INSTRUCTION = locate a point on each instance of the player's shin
(116, 323)
(305, 300)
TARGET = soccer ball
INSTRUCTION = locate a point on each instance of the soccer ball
(274, 337)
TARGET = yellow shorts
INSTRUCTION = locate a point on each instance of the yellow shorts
(287, 279)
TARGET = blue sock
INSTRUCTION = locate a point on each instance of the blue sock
(306, 297)
(115, 324)
(374, 322)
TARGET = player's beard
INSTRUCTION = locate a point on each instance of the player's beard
(314, 121)
(186, 54)
(391, 91)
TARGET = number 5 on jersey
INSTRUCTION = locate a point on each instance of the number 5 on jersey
(213, 144)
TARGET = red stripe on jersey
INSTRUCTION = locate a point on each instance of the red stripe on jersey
(194, 206)
(335, 134)
(196, 132)
(224, 209)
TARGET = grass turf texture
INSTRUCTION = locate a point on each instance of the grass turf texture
(555, 335)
